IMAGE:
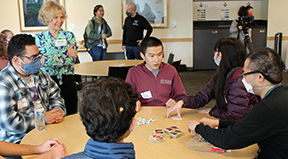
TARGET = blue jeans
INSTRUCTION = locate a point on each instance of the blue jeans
(98, 53)
(133, 52)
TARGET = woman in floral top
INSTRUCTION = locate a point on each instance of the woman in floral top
(59, 48)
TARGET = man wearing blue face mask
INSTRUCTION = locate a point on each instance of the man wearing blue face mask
(266, 123)
(22, 83)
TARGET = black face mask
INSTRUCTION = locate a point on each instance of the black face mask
(128, 14)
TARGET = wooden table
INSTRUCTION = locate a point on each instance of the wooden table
(72, 133)
(100, 68)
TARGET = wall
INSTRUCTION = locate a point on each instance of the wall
(181, 11)
(79, 12)
(213, 9)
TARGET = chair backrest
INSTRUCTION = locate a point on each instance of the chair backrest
(170, 58)
(118, 72)
(84, 57)
(115, 56)
(176, 64)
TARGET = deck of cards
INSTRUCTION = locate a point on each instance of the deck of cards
(156, 138)
(159, 132)
(176, 133)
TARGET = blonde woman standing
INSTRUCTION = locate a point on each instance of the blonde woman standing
(59, 48)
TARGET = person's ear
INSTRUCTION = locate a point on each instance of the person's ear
(260, 78)
(142, 55)
(131, 127)
(220, 55)
(16, 60)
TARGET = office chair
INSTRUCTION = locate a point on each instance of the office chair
(170, 58)
(118, 72)
(115, 56)
(83, 58)
(176, 64)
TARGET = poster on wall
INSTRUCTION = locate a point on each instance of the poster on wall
(155, 11)
(201, 14)
(28, 15)
(224, 13)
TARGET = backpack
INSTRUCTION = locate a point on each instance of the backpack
(85, 35)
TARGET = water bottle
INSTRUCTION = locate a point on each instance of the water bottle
(39, 116)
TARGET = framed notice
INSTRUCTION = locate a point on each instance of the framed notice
(155, 11)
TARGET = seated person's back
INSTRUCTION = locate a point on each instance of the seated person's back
(156, 83)
(107, 112)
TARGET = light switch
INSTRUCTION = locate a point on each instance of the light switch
(173, 24)
(71, 27)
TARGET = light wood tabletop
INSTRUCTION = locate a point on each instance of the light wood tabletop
(100, 68)
(72, 133)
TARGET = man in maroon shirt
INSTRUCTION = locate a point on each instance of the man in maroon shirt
(157, 83)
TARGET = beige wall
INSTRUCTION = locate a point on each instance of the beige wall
(181, 11)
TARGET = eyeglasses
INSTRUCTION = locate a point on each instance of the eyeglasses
(266, 75)
(248, 73)
(36, 58)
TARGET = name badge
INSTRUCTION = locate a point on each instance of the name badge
(146, 95)
(60, 42)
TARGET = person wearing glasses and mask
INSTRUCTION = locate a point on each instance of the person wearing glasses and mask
(266, 123)
(60, 50)
(232, 100)
(22, 83)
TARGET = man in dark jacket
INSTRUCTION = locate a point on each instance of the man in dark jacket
(133, 28)
(266, 123)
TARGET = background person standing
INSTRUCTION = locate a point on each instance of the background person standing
(98, 29)
(133, 28)
(59, 48)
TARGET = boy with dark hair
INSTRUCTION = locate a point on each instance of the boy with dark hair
(107, 112)
(157, 83)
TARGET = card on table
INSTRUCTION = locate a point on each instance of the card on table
(156, 138)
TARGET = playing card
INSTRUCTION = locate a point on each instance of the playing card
(170, 129)
(159, 132)
(156, 138)
(176, 133)
(176, 118)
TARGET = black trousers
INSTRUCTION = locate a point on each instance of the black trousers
(68, 92)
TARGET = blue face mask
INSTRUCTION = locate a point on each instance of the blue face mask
(217, 62)
(32, 67)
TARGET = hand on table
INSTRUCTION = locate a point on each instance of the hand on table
(204, 111)
(48, 145)
(72, 52)
(211, 122)
(177, 107)
(170, 102)
(192, 125)
(57, 152)
(54, 115)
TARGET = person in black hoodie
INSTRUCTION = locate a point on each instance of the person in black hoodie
(266, 123)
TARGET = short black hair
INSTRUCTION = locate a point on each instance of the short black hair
(16, 46)
(150, 42)
(268, 62)
(107, 109)
(96, 8)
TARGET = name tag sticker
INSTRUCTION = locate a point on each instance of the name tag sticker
(146, 95)
(60, 42)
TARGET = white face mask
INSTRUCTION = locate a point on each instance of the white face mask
(248, 86)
